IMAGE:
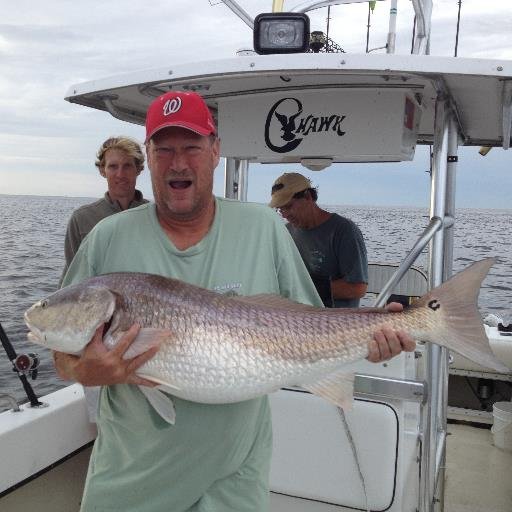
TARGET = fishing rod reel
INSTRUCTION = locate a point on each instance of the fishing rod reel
(26, 364)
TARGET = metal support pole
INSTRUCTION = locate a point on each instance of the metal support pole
(453, 144)
(277, 5)
(236, 174)
(433, 422)
(239, 11)
(448, 238)
(230, 178)
(423, 12)
(243, 180)
(390, 47)
(507, 113)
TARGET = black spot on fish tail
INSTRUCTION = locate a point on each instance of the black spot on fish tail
(434, 304)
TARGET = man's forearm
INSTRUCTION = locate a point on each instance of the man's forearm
(343, 290)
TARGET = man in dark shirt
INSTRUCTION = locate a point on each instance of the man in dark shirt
(331, 246)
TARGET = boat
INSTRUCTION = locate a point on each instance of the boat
(392, 451)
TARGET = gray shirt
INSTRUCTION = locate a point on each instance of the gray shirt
(87, 216)
(334, 250)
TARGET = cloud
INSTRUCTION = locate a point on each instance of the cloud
(47, 144)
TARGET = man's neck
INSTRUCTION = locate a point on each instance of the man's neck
(186, 232)
(317, 216)
(124, 201)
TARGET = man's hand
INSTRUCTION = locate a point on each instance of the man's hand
(98, 366)
(387, 342)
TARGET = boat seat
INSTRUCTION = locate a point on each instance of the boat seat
(412, 285)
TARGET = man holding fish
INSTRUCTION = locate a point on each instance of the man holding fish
(214, 457)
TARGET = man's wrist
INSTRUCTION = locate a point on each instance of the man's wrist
(65, 366)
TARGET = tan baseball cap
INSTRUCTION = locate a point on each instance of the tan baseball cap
(286, 186)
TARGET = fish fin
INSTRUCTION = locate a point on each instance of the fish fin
(274, 301)
(161, 402)
(147, 338)
(163, 386)
(337, 388)
(460, 326)
(168, 388)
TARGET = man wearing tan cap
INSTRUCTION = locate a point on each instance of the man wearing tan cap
(331, 246)
(215, 457)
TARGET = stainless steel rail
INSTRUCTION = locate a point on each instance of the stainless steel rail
(433, 414)
(384, 388)
(435, 224)
(370, 386)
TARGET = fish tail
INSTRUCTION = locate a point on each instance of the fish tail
(459, 325)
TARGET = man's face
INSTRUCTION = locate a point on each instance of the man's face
(182, 163)
(295, 211)
(121, 173)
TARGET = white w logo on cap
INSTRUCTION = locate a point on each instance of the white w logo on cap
(172, 106)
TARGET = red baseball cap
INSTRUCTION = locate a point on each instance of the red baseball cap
(177, 108)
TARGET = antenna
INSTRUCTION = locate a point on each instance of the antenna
(328, 19)
(457, 34)
(368, 27)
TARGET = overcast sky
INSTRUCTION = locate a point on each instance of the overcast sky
(47, 145)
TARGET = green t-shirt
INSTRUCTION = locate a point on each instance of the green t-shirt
(216, 457)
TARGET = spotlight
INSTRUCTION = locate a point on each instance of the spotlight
(281, 32)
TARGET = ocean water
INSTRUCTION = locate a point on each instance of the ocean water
(32, 230)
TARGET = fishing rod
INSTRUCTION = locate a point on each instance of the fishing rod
(23, 365)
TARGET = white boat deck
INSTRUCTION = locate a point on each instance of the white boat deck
(478, 475)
